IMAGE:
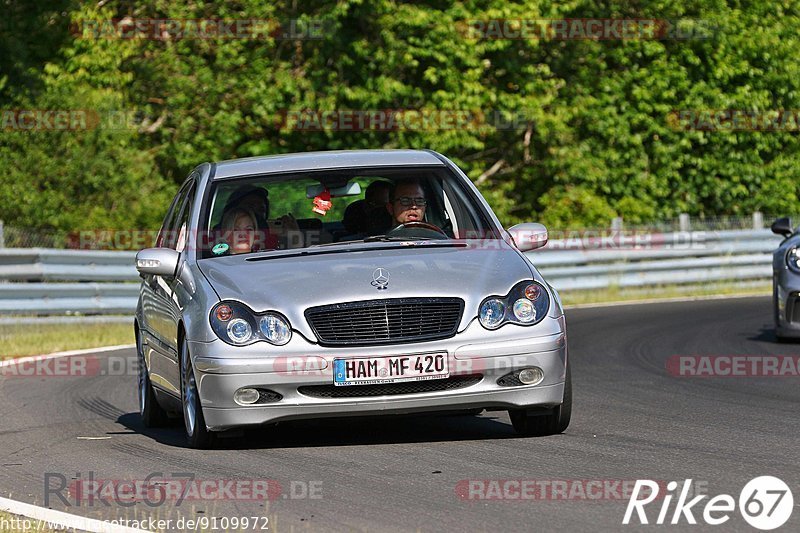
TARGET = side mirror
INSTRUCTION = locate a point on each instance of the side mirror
(157, 262)
(528, 236)
(782, 226)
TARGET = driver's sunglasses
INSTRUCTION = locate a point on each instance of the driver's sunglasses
(407, 201)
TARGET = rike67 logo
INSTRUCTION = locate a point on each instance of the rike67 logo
(765, 503)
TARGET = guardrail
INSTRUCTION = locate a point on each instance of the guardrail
(46, 282)
(67, 282)
(43, 264)
(657, 259)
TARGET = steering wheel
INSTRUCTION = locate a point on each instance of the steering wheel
(417, 225)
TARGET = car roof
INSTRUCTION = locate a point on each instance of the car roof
(334, 159)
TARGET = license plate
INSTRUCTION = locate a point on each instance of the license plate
(390, 369)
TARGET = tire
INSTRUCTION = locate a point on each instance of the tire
(153, 415)
(777, 314)
(533, 423)
(197, 434)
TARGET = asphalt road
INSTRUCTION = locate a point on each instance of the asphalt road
(631, 420)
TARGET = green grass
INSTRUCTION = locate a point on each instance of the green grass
(617, 294)
(20, 340)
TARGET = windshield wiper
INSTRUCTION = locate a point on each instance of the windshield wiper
(387, 238)
(324, 244)
(392, 244)
(372, 238)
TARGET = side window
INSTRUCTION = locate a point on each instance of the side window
(171, 212)
(168, 237)
(463, 214)
(449, 214)
(182, 225)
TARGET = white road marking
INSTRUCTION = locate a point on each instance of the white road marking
(56, 519)
(56, 355)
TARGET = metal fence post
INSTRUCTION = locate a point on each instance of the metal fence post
(758, 220)
(2, 236)
(683, 222)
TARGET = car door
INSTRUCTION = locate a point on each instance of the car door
(160, 310)
(149, 310)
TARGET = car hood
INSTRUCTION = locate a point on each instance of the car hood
(291, 283)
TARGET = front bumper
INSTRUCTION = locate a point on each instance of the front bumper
(469, 354)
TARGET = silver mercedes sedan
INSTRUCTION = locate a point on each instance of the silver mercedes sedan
(786, 281)
(375, 282)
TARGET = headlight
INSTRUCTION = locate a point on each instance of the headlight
(793, 260)
(492, 313)
(526, 304)
(275, 329)
(237, 324)
(239, 331)
(524, 310)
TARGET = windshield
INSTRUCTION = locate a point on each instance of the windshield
(324, 208)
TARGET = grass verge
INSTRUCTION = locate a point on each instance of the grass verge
(20, 340)
(10, 523)
(617, 294)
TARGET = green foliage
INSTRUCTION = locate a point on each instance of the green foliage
(592, 136)
(564, 205)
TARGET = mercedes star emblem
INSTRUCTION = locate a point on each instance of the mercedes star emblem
(380, 279)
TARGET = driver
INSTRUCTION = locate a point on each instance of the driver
(407, 202)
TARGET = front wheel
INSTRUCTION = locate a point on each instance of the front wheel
(777, 313)
(532, 423)
(197, 434)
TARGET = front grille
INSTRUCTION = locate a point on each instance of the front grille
(510, 380)
(389, 389)
(385, 321)
(268, 396)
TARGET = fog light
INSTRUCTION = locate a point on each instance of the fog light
(246, 396)
(531, 376)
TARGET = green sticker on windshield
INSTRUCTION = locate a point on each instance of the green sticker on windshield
(220, 248)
